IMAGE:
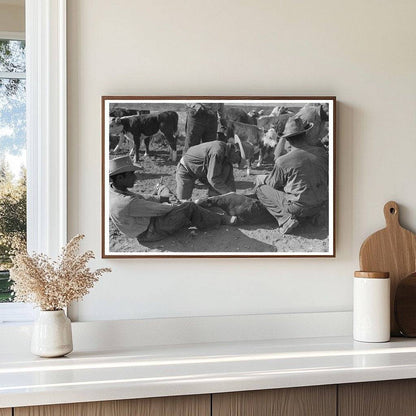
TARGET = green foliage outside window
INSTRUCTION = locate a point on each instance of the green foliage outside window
(12, 223)
(12, 143)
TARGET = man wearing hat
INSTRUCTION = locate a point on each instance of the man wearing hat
(298, 184)
(212, 164)
(145, 217)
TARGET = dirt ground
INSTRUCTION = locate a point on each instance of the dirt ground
(308, 237)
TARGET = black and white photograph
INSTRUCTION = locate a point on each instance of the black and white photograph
(218, 176)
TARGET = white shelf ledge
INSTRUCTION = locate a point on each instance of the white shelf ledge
(154, 371)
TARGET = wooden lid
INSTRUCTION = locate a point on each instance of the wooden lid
(372, 275)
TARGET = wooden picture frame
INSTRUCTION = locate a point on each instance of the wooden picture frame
(243, 123)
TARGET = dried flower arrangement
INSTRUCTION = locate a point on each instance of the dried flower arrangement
(53, 285)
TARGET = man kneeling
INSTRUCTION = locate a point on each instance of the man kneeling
(147, 217)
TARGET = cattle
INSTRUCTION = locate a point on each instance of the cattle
(267, 145)
(148, 125)
(251, 139)
(281, 110)
(255, 114)
(124, 142)
(247, 210)
(263, 137)
(274, 127)
(114, 142)
(230, 115)
(317, 114)
(124, 112)
(279, 115)
(238, 114)
(237, 122)
(247, 132)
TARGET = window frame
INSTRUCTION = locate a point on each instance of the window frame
(46, 135)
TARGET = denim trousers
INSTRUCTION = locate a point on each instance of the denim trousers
(200, 127)
(277, 204)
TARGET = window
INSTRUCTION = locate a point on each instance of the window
(46, 135)
(12, 165)
(12, 153)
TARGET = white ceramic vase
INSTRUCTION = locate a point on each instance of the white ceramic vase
(52, 334)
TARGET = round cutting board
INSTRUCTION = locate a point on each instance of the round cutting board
(405, 306)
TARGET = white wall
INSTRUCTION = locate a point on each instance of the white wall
(360, 51)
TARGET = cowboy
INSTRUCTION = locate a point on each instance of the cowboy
(147, 217)
(212, 164)
(298, 184)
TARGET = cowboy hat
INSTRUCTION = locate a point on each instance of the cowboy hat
(295, 126)
(121, 165)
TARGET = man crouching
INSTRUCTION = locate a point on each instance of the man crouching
(147, 217)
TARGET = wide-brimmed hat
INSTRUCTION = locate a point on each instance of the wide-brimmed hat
(295, 126)
(121, 165)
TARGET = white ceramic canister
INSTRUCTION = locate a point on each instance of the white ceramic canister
(371, 313)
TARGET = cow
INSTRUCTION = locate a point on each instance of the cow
(248, 210)
(238, 114)
(124, 142)
(281, 110)
(251, 138)
(228, 117)
(147, 125)
(267, 145)
(255, 114)
(114, 142)
(276, 116)
(235, 121)
(247, 132)
(317, 114)
(274, 129)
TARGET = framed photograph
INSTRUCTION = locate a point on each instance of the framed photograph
(218, 176)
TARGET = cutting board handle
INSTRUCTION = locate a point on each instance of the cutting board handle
(391, 214)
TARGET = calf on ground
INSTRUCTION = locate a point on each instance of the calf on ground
(247, 210)
(148, 125)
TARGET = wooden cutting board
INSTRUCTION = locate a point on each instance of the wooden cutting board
(393, 250)
(405, 305)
